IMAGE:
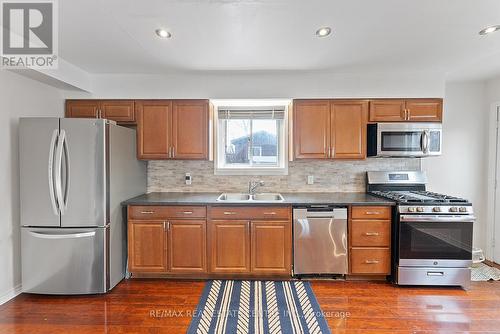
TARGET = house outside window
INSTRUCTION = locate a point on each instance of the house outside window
(251, 140)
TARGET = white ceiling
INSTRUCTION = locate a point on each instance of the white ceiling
(117, 36)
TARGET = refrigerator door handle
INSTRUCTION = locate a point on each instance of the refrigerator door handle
(58, 174)
(68, 178)
(51, 172)
(62, 236)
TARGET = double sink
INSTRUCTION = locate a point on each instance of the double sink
(250, 198)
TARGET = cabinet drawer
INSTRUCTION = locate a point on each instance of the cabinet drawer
(370, 261)
(370, 233)
(371, 212)
(166, 212)
(264, 212)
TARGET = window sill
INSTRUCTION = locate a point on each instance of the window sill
(251, 171)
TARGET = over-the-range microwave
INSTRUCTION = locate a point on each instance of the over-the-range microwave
(404, 139)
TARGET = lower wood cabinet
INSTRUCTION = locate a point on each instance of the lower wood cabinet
(229, 246)
(178, 240)
(186, 246)
(147, 243)
(271, 247)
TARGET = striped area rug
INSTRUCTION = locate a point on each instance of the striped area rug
(266, 307)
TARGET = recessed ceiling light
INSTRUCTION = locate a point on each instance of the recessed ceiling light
(162, 33)
(489, 30)
(323, 32)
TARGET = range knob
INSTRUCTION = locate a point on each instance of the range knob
(420, 209)
(436, 209)
(454, 209)
(412, 209)
(463, 209)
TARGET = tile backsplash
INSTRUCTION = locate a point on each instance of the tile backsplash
(329, 176)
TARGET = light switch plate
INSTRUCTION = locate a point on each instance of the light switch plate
(310, 179)
(188, 179)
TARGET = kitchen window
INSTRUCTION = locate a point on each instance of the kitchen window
(251, 140)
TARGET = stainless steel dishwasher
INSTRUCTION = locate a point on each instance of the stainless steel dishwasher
(319, 240)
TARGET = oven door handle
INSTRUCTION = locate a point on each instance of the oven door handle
(436, 218)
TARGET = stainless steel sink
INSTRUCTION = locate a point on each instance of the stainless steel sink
(234, 197)
(247, 198)
(268, 197)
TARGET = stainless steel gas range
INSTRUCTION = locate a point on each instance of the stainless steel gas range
(432, 233)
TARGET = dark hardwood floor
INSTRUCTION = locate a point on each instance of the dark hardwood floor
(163, 306)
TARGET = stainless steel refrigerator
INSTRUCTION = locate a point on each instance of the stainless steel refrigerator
(74, 173)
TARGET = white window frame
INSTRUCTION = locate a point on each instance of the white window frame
(219, 158)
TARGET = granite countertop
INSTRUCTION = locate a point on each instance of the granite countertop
(187, 198)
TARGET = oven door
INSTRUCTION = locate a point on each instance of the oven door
(408, 139)
(435, 241)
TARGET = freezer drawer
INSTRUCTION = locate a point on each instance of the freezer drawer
(64, 260)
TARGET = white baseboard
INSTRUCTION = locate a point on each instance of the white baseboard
(11, 294)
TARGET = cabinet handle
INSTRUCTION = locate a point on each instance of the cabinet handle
(147, 212)
(435, 273)
(187, 212)
(372, 234)
(270, 213)
(372, 212)
(170, 152)
(408, 115)
(164, 226)
(229, 213)
(332, 152)
(173, 151)
(168, 226)
(372, 261)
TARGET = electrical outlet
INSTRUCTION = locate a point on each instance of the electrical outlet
(310, 179)
(188, 179)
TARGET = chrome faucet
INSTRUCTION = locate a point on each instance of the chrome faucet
(253, 185)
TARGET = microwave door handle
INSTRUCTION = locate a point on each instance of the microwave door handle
(425, 141)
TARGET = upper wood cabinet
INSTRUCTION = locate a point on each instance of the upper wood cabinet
(154, 129)
(121, 111)
(425, 110)
(82, 108)
(190, 129)
(348, 129)
(387, 111)
(406, 110)
(311, 128)
(172, 129)
(327, 129)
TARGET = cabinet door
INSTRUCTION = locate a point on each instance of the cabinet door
(387, 111)
(190, 129)
(82, 108)
(271, 247)
(118, 110)
(428, 110)
(348, 129)
(187, 246)
(147, 246)
(153, 129)
(311, 129)
(230, 246)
